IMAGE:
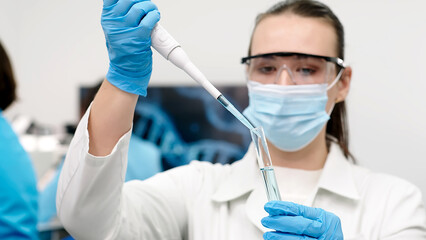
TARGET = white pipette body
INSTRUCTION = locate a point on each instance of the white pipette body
(170, 49)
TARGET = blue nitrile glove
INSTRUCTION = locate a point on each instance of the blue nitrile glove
(293, 221)
(127, 26)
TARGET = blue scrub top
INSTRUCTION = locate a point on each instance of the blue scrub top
(18, 188)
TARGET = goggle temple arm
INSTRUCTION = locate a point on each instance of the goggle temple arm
(339, 75)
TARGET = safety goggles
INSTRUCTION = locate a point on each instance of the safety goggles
(300, 68)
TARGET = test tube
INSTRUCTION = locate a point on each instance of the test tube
(265, 164)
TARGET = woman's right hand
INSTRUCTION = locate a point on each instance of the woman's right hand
(127, 25)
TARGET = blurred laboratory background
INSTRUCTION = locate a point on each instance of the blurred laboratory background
(58, 54)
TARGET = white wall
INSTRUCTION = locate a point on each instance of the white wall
(58, 45)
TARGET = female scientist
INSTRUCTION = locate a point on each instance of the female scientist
(296, 78)
(18, 191)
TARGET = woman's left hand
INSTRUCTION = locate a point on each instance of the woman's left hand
(294, 221)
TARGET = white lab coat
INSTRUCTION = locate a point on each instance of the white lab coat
(204, 201)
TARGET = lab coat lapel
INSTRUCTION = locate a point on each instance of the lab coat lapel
(337, 176)
(241, 179)
(245, 177)
(255, 206)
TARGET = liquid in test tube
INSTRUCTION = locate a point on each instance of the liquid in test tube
(265, 164)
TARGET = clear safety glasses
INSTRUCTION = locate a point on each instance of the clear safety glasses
(293, 68)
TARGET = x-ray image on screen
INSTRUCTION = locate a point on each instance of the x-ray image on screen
(186, 123)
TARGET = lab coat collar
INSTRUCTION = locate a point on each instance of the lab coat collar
(337, 177)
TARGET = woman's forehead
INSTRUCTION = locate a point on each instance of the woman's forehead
(293, 33)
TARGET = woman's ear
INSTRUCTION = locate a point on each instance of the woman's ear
(344, 84)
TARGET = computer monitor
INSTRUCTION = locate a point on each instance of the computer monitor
(186, 123)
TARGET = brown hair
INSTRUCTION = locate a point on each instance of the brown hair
(337, 130)
(7, 80)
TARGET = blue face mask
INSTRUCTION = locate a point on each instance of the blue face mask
(291, 116)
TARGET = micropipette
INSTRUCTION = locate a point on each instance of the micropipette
(170, 49)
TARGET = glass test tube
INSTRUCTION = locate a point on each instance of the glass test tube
(265, 164)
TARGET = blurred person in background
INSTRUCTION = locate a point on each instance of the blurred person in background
(18, 184)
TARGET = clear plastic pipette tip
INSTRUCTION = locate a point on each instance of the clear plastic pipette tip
(235, 112)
